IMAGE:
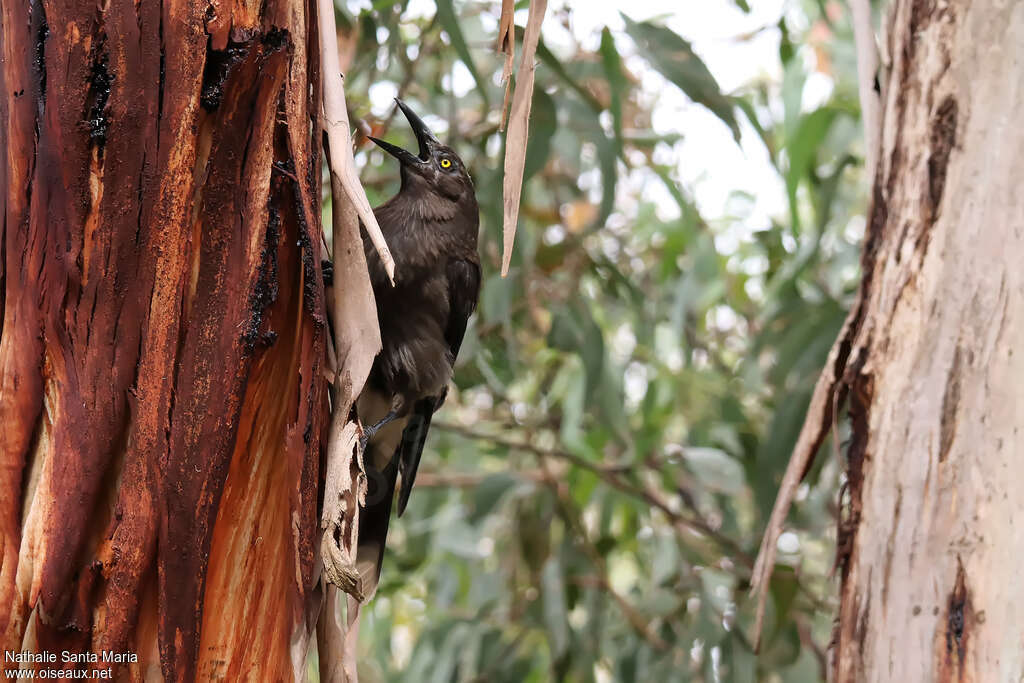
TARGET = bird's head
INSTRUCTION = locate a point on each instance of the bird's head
(436, 168)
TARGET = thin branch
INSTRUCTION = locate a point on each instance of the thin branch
(695, 523)
(612, 475)
(514, 444)
(635, 618)
(465, 480)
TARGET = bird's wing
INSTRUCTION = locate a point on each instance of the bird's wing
(463, 290)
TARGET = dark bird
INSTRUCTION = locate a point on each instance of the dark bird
(431, 227)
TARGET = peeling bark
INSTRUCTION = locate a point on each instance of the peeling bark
(162, 330)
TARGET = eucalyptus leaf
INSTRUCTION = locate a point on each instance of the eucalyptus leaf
(675, 59)
(446, 14)
(715, 469)
(617, 83)
(555, 615)
(543, 123)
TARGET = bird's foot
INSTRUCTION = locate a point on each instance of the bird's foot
(368, 432)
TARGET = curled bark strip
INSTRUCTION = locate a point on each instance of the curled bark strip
(339, 140)
(846, 356)
(345, 493)
(848, 351)
(518, 129)
(356, 342)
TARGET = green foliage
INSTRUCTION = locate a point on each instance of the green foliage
(594, 492)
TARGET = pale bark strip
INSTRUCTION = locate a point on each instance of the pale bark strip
(830, 388)
(330, 637)
(867, 70)
(518, 129)
(356, 342)
(339, 138)
(354, 308)
(338, 633)
(349, 659)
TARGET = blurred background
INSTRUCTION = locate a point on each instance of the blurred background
(594, 492)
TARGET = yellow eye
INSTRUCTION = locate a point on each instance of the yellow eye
(446, 163)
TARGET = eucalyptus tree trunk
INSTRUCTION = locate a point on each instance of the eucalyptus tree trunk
(931, 541)
(161, 395)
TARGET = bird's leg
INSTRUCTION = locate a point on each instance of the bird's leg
(368, 432)
(393, 414)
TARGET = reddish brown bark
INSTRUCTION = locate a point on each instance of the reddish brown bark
(161, 398)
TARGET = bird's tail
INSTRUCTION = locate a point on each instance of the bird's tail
(373, 525)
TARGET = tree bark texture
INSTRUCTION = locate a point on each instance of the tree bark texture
(930, 543)
(161, 396)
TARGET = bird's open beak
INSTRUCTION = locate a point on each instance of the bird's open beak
(423, 136)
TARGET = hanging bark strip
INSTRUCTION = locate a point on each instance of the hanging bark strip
(339, 138)
(162, 334)
(356, 343)
(507, 46)
(518, 130)
(354, 317)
